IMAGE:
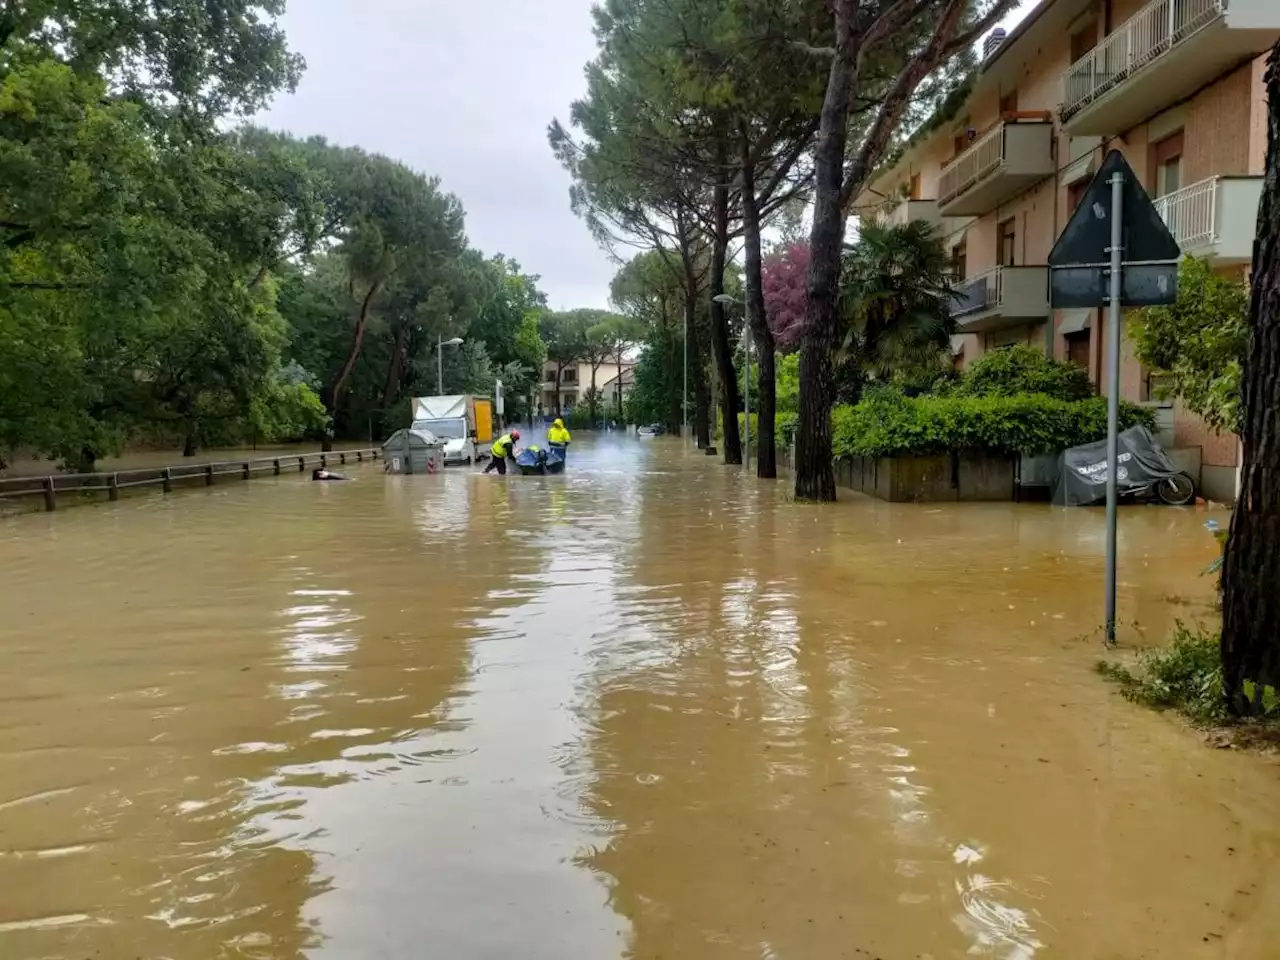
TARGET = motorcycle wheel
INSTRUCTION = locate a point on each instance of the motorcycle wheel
(1177, 490)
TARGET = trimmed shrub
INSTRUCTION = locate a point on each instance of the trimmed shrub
(887, 424)
(1023, 369)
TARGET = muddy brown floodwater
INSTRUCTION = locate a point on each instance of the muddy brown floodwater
(649, 709)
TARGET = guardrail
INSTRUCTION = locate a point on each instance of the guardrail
(166, 478)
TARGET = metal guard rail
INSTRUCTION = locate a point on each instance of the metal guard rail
(50, 485)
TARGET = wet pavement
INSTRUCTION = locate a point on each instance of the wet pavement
(648, 709)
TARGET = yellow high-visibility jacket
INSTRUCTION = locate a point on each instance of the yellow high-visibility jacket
(504, 447)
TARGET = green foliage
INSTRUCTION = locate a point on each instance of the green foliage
(787, 383)
(208, 58)
(289, 408)
(1023, 369)
(787, 423)
(888, 424)
(1199, 342)
(579, 418)
(896, 297)
(1185, 676)
(163, 277)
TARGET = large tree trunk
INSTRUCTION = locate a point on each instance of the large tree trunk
(815, 475)
(618, 384)
(699, 384)
(767, 405)
(391, 385)
(357, 340)
(728, 376)
(556, 406)
(697, 351)
(1251, 571)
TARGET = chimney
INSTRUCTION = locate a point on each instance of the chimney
(993, 41)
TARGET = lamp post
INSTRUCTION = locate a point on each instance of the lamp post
(440, 345)
(728, 299)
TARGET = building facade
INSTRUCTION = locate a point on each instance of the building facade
(575, 381)
(1176, 86)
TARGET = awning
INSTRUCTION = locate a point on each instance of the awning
(1075, 321)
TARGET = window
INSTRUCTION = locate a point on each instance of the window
(915, 187)
(1078, 348)
(1008, 242)
(1075, 193)
(1084, 40)
(1009, 103)
(569, 376)
(1166, 158)
(958, 256)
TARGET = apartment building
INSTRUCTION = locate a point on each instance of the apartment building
(1177, 86)
(575, 381)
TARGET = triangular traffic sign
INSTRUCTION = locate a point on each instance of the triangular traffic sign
(1087, 236)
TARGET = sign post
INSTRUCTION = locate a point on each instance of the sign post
(1113, 391)
(1117, 236)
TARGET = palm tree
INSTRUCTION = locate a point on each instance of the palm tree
(896, 295)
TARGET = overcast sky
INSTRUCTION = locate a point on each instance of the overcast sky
(464, 90)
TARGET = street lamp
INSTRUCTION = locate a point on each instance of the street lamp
(440, 345)
(728, 299)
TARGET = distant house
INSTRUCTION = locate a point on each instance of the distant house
(627, 379)
(575, 381)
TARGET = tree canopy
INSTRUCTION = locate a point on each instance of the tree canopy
(170, 275)
(1199, 342)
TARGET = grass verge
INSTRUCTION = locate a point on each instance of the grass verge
(1186, 677)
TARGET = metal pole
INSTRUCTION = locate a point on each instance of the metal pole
(746, 406)
(439, 365)
(684, 397)
(1113, 392)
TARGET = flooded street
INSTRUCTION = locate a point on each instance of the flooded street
(648, 709)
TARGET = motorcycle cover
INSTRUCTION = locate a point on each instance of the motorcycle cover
(1082, 470)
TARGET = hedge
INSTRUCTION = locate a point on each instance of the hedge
(897, 426)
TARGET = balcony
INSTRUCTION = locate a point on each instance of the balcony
(1215, 218)
(1003, 297)
(908, 211)
(1163, 54)
(1005, 161)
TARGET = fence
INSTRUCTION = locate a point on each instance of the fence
(166, 478)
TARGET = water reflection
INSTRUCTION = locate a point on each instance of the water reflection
(646, 709)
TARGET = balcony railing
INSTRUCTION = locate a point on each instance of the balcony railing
(1153, 31)
(1003, 297)
(981, 293)
(985, 156)
(1191, 213)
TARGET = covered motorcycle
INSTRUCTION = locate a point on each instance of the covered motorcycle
(1143, 470)
(535, 461)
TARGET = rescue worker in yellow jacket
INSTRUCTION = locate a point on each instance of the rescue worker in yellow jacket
(558, 438)
(503, 448)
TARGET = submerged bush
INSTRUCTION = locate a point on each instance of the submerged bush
(887, 424)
